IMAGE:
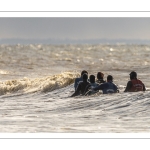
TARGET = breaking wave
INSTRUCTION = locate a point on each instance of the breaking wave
(45, 84)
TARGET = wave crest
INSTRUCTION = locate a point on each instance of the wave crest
(45, 84)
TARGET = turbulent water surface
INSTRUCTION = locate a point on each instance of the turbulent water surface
(37, 81)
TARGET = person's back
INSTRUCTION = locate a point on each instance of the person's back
(108, 87)
(81, 86)
(100, 77)
(134, 85)
(91, 86)
(77, 80)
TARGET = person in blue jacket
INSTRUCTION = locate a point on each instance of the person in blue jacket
(108, 87)
(77, 80)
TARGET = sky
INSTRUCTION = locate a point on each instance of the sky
(75, 28)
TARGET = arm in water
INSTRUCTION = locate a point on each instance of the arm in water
(128, 87)
(86, 89)
(77, 91)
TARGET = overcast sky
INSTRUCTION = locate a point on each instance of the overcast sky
(75, 28)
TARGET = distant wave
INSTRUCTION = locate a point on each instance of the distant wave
(45, 84)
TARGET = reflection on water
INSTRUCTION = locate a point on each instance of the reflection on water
(36, 82)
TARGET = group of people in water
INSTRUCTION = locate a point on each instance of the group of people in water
(85, 86)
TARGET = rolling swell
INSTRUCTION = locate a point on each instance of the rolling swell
(45, 84)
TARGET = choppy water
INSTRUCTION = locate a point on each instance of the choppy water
(37, 81)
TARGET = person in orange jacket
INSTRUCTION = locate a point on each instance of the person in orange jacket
(134, 85)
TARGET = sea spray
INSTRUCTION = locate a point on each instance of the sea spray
(45, 84)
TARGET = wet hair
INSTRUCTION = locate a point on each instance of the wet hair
(109, 78)
(133, 75)
(83, 72)
(100, 75)
(85, 76)
(92, 78)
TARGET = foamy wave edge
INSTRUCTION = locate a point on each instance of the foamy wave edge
(45, 84)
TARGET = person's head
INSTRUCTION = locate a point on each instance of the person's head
(83, 72)
(100, 75)
(133, 75)
(109, 78)
(85, 76)
(92, 78)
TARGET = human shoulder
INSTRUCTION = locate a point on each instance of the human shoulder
(100, 81)
(129, 82)
(140, 80)
(128, 87)
(80, 82)
(77, 79)
(103, 85)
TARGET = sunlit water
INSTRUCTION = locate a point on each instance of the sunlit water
(37, 81)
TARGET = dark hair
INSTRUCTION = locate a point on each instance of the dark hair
(83, 72)
(100, 75)
(85, 76)
(92, 78)
(109, 78)
(133, 74)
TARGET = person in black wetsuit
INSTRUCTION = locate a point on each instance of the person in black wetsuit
(108, 87)
(92, 84)
(77, 80)
(134, 85)
(100, 77)
(81, 86)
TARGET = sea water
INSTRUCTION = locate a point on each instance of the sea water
(37, 82)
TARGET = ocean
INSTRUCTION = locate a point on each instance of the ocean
(37, 82)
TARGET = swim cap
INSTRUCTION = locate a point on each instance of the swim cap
(85, 76)
(133, 74)
(109, 78)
